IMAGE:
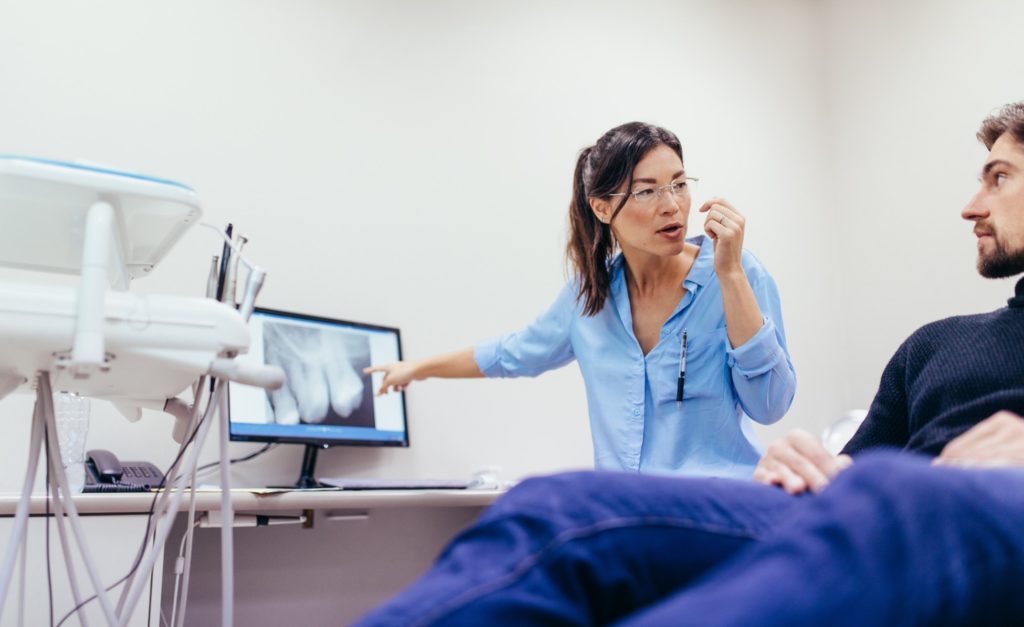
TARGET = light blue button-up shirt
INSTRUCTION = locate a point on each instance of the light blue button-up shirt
(634, 417)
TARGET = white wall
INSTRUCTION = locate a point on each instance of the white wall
(408, 163)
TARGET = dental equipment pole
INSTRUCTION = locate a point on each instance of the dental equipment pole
(227, 544)
(100, 240)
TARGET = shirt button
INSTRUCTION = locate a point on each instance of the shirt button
(636, 412)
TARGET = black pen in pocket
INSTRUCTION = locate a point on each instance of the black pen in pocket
(682, 372)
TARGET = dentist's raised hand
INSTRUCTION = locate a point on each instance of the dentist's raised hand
(725, 226)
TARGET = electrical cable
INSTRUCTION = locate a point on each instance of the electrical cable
(267, 447)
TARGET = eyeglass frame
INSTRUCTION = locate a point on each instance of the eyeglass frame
(658, 190)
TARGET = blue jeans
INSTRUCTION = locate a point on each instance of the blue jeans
(893, 541)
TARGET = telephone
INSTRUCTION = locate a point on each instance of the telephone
(105, 473)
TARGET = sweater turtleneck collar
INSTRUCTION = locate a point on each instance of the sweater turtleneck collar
(1017, 301)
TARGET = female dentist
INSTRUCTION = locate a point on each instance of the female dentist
(680, 341)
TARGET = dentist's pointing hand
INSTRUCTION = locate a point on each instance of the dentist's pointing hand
(397, 375)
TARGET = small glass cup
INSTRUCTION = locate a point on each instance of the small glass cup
(72, 416)
(836, 435)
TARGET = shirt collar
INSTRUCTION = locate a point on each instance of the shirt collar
(700, 272)
(618, 289)
(1017, 302)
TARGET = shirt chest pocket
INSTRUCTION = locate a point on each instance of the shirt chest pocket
(707, 369)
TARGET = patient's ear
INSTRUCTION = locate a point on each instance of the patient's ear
(602, 209)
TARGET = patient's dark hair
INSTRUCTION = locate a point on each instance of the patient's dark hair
(601, 170)
(1010, 118)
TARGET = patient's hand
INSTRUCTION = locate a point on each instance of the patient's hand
(799, 462)
(995, 441)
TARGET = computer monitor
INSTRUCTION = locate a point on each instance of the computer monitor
(327, 400)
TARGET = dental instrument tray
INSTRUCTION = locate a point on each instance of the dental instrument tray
(48, 201)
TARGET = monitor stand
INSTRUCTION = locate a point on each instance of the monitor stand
(307, 478)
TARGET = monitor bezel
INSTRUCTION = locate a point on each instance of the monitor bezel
(321, 442)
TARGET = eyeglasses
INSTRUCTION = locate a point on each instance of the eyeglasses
(646, 196)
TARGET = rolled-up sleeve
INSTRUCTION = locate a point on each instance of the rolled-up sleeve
(762, 371)
(543, 345)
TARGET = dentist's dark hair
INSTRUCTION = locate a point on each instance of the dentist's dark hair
(1010, 118)
(601, 170)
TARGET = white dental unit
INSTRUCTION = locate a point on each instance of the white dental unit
(102, 341)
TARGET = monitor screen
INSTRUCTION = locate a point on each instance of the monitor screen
(326, 399)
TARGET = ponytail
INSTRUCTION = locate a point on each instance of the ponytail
(591, 243)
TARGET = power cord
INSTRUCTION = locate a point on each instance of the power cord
(269, 446)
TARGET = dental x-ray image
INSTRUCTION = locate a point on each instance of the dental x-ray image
(325, 384)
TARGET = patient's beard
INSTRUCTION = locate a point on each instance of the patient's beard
(1001, 263)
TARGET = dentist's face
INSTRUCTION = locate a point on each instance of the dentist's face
(997, 210)
(653, 220)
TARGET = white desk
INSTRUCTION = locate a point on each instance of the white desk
(362, 547)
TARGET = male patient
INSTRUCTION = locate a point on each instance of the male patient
(895, 539)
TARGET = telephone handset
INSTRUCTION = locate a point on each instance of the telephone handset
(105, 473)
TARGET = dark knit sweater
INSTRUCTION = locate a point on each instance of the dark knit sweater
(948, 376)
